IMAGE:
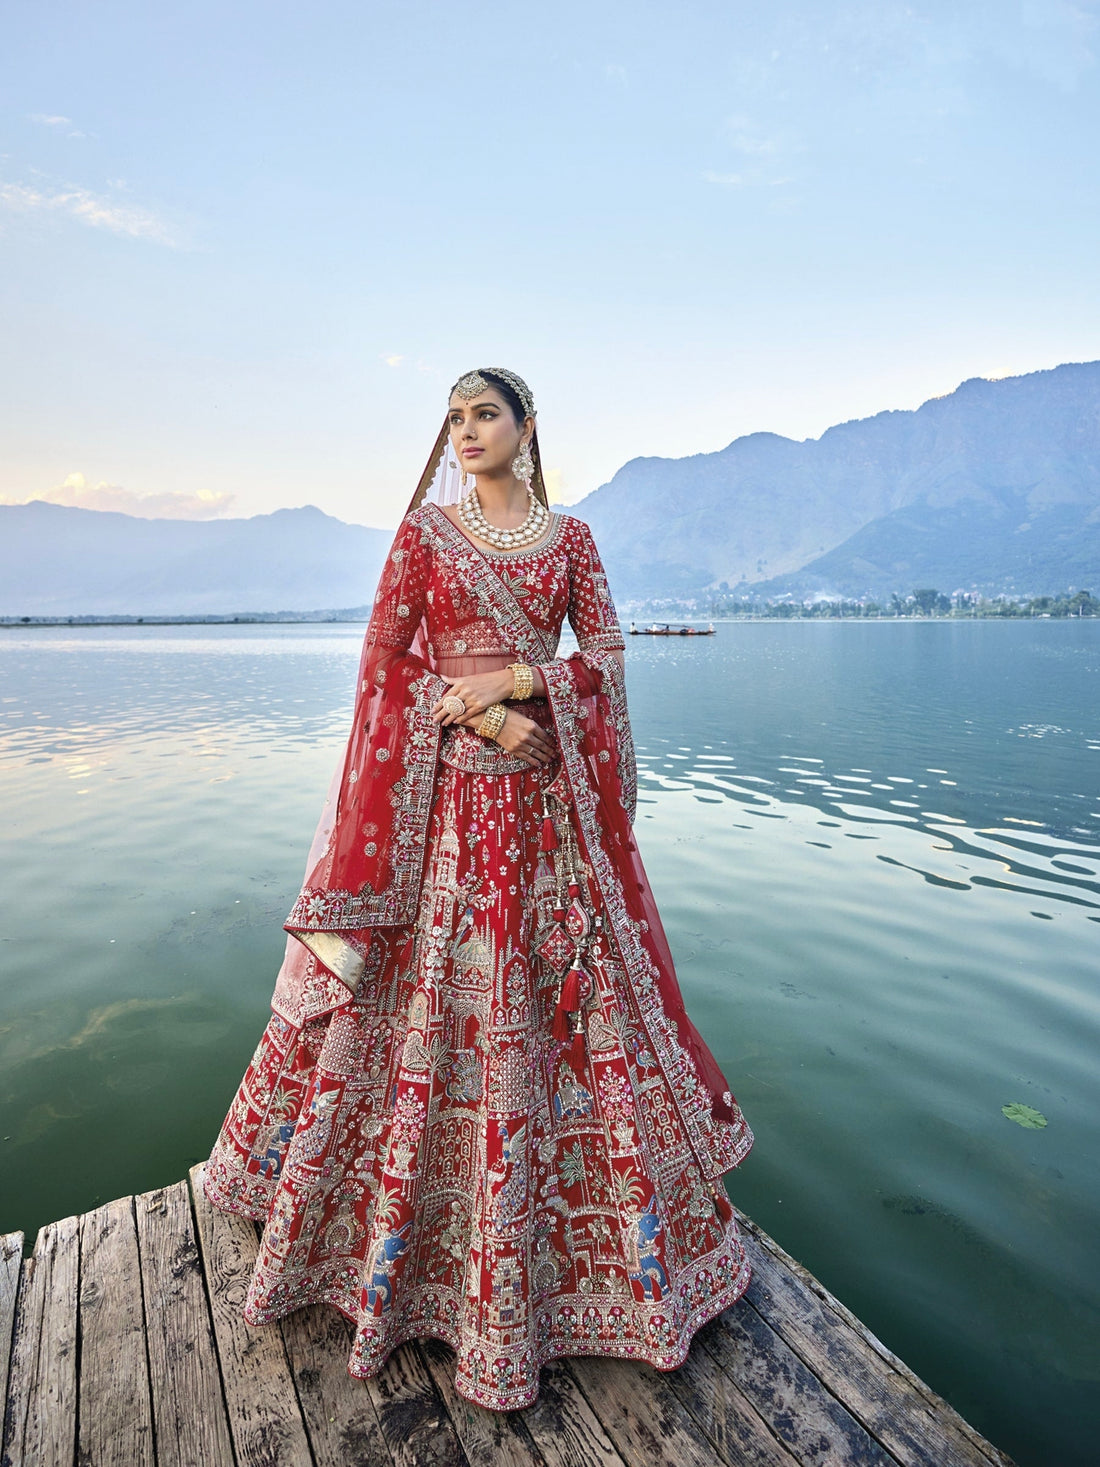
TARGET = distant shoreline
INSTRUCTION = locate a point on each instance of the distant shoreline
(357, 618)
(324, 618)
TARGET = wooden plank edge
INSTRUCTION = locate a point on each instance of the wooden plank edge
(11, 1267)
(113, 1363)
(195, 1368)
(277, 1427)
(810, 1421)
(942, 1408)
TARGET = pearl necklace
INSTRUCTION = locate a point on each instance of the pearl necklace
(532, 528)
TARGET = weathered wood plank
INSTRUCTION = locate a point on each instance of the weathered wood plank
(809, 1421)
(265, 1418)
(339, 1414)
(11, 1267)
(42, 1389)
(915, 1425)
(411, 1413)
(188, 1408)
(740, 1434)
(116, 1412)
(498, 1437)
(563, 1425)
(645, 1418)
(26, 1333)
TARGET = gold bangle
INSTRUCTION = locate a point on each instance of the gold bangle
(493, 721)
(523, 680)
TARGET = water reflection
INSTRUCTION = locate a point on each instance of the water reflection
(877, 854)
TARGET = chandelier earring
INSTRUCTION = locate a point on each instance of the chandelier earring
(523, 465)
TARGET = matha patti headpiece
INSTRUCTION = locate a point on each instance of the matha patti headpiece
(441, 481)
(471, 383)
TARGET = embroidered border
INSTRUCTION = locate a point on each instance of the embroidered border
(719, 1145)
(330, 911)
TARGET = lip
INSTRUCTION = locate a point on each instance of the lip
(471, 452)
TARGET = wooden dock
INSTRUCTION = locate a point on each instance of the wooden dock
(122, 1345)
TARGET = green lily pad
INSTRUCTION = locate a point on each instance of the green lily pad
(1024, 1115)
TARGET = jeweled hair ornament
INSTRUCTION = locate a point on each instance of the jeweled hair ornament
(441, 480)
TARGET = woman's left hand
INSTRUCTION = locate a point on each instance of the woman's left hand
(477, 690)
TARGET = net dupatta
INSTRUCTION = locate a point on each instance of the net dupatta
(365, 862)
(441, 481)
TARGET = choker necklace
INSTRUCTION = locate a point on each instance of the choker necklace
(532, 528)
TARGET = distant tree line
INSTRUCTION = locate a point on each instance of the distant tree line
(924, 601)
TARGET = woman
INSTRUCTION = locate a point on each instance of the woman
(479, 1111)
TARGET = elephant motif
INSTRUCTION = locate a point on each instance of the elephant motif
(650, 1271)
(382, 1263)
(570, 1098)
(271, 1163)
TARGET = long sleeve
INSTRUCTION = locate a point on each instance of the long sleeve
(591, 608)
(594, 676)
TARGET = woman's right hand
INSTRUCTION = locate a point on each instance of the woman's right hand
(523, 736)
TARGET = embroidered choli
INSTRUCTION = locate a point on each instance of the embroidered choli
(559, 578)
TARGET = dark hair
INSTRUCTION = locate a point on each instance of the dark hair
(506, 390)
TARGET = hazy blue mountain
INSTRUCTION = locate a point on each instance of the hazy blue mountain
(59, 561)
(996, 485)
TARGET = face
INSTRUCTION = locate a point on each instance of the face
(484, 434)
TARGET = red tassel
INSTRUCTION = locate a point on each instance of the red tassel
(574, 889)
(549, 835)
(571, 990)
(576, 1048)
(559, 914)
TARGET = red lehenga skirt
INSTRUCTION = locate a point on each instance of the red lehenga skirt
(429, 1159)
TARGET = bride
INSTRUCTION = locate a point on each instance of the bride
(479, 1110)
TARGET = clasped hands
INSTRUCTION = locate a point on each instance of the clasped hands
(519, 735)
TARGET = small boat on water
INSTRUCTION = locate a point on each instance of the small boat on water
(666, 629)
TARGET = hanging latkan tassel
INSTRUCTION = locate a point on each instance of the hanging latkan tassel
(570, 998)
(549, 840)
(560, 1027)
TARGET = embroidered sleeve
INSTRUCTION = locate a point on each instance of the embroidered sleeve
(399, 602)
(591, 609)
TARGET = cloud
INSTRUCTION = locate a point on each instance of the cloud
(86, 208)
(203, 504)
(54, 120)
(726, 180)
(392, 361)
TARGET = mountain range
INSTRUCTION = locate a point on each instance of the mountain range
(59, 561)
(994, 487)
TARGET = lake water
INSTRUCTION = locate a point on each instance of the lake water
(876, 849)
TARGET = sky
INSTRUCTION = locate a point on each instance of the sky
(245, 249)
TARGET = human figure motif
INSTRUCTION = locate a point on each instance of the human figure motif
(476, 913)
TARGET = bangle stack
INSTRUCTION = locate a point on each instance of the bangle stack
(524, 677)
(493, 721)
